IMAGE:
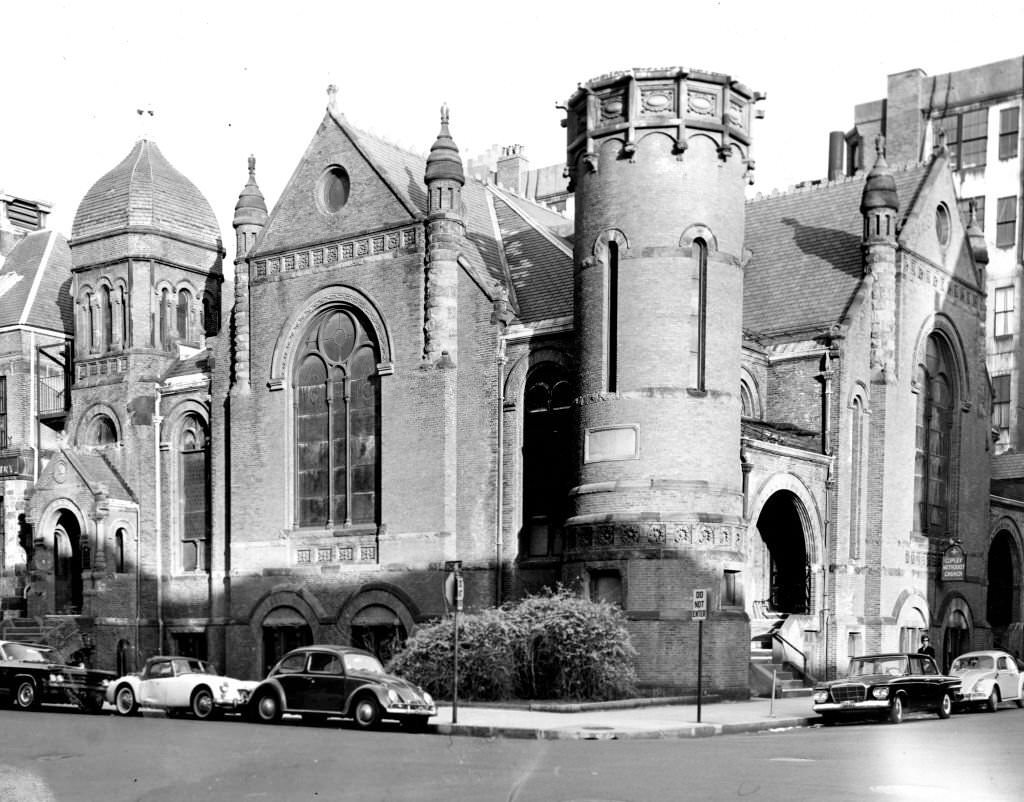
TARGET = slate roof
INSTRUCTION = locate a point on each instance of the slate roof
(144, 190)
(34, 283)
(96, 470)
(539, 271)
(197, 364)
(806, 263)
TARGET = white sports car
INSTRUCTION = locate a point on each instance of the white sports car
(177, 685)
(988, 678)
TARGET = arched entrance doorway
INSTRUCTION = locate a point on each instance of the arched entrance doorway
(67, 565)
(956, 638)
(1002, 600)
(284, 629)
(784, 569)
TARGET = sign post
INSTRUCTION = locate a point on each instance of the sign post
(700, 614)
(454, 590)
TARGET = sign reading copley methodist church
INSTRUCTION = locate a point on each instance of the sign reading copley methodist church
(954, 564)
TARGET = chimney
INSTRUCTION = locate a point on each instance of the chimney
(512, 167)
(836, 149)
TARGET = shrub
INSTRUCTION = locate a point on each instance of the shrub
(551, 645)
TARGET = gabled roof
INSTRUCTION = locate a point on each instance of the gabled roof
(806, 257)
(95, 471)
(199, 364)
(34, 283)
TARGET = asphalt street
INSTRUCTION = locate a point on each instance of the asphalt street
(46, 756)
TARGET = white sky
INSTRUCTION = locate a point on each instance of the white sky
(227, 79)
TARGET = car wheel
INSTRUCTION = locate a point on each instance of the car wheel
(25, 695)
(1020, 701)
(992, 703)
(124, 701)
(896, 710)
(945, 706)
(366, 712)
(267, 707)
(202, 703)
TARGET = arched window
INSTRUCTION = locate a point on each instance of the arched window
(612, 325)
(700, 252)
(194, 500)
(101, 432)
(210, 321)
(120, 536)
(547, 460)
(94, 331)
(165, 321)
(123, 315)
(337, 410)
(184, 306)
(107, 316)
(934, 435)
(856, 478)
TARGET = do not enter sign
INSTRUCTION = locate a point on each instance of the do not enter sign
(700, 604)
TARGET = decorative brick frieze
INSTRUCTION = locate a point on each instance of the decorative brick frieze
(918, 270)
(333, 254)
(104, 366)
(692, 534)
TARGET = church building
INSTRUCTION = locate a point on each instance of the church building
(781, 402)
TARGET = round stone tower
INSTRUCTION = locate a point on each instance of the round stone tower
(659, 160)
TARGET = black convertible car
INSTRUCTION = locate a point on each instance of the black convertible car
(32, 673)
(887, 685)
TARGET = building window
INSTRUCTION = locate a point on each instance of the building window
(966, 137)
(195, 495)
(1003, 320)
(3, 412)
(120, 536)
(107, 319)
(337, 410)
(701, 253)
(190, 644)
(1001, 406)
(101, 432)
(184, 309)
(732, 589)
(547, 460)
(1006, 221)
(613, 317)
(856, 478)
(1009, 127)
(606, 586)
(979, 210)
(165, 321)
(748, 406)
(934, 439)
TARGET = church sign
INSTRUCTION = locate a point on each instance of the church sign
(954, 564)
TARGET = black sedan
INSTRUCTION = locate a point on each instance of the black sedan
(887, 685)
(32, 673)
(326, 680)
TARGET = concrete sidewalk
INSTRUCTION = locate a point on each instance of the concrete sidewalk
(647, 719)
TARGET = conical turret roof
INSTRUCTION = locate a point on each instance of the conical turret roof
(251, 208)
(880, 187)
(444, 161)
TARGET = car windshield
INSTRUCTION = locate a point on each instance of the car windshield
(974, 662)
(362, 664)
(892, 666)
(183, 666)
(29, 654)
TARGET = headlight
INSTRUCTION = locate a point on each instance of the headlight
(393, 696)
(428, 698)
(104, 683)
(880, 693)
(819, 697)
(55, 678)
(224, 687)
(977, 686)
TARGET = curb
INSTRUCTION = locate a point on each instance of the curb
(608, 733)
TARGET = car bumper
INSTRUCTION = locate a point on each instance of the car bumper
(973, 696)
(411, 710)
(869, 706)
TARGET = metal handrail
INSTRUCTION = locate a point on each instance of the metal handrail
(776, 636)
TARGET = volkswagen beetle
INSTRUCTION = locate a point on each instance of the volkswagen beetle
(178, 685)
(988, 678)
(324, 680)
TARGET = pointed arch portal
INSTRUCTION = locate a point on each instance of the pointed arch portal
(785, 567)
(67, 564)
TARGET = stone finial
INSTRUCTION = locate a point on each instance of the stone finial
(252, 167)
(444, 114)
(332, 97)
(879, 146)
(145, 123)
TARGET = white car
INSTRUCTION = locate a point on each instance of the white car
(988, 678)
(178, 685)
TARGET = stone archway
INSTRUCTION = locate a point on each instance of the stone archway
(378, 619)
(1003, 594)
(782, 565)
(67, 564)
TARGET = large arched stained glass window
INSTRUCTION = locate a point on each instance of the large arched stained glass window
(934, 439)
(195, 496)
(337, 402)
